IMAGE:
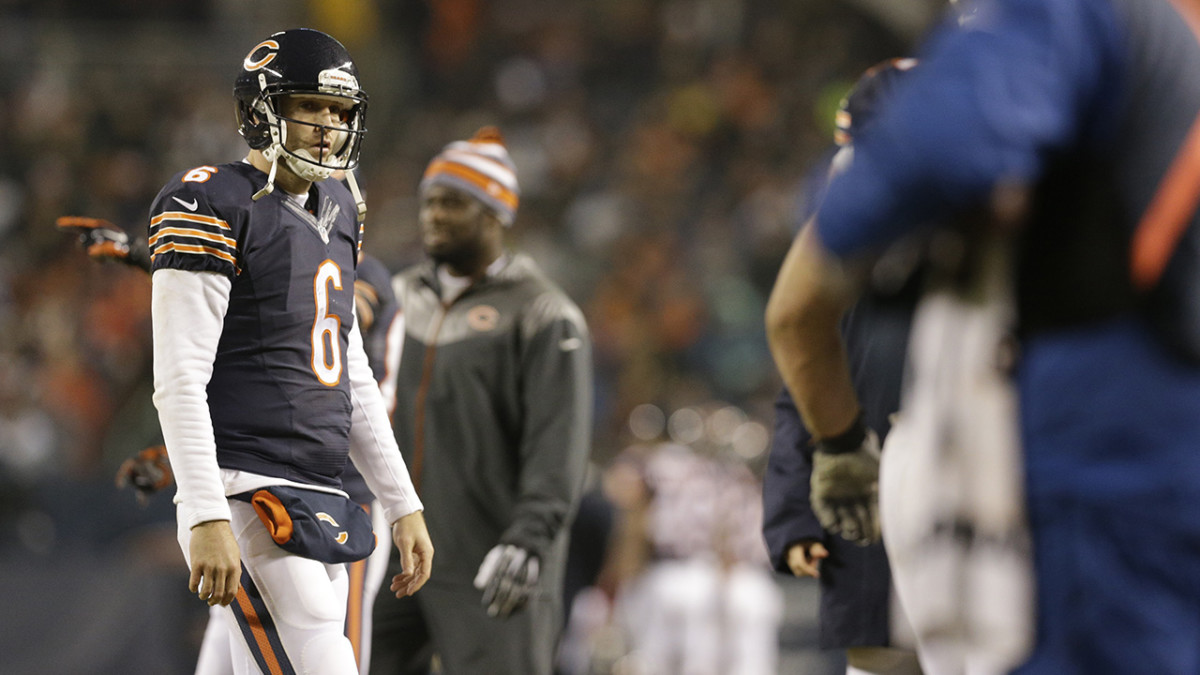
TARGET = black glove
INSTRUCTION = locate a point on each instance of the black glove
(507, 576)
(102, 240)
(845, 484)
(148, 472)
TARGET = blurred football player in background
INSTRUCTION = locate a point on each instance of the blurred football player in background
(1072, 126)
(857, 612)
(692, 589)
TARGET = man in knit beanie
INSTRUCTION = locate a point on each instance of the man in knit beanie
(482, 168)
(493, 415)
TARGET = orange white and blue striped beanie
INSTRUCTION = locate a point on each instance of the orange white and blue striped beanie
(482, 168)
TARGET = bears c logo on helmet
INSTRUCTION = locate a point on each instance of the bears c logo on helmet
(251, 64)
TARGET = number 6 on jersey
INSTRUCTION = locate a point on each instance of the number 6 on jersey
(326, 356)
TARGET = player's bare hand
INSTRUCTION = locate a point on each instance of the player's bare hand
(804, 558)
(416, 554)
(216, 562)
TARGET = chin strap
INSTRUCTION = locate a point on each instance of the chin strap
(278, 136)
(358, 198)
(270, 186)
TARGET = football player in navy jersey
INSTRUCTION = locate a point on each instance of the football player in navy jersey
(260, 367)
(148, 471)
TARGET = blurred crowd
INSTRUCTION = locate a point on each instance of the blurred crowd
(665, 149)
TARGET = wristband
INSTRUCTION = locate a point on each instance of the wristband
(848, 441)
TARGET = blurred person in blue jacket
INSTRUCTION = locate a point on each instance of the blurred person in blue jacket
(1080, 116)
(856, 612)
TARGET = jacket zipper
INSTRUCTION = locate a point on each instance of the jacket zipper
(422, 394)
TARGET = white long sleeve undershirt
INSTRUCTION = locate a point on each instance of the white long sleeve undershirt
(188, 312)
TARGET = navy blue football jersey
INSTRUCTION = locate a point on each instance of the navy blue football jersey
(279, 394)
(374, 282)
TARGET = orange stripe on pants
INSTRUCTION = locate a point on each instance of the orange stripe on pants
(260, 635)
(354, 607)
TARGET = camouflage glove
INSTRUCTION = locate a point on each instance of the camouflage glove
(102, 240)
(845, 484)
(507, 577)
(148, 472)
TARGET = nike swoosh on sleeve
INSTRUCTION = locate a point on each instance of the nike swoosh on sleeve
(190, 206)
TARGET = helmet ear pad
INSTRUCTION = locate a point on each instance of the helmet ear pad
(252, 124)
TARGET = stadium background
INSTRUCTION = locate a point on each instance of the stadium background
(666, 149)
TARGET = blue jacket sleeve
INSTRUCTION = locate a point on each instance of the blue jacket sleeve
(991, 101)
(787, 515)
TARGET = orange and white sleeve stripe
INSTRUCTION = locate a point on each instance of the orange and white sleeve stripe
(192, 234)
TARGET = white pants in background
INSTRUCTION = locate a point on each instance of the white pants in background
(952, 495)
(690, 617)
